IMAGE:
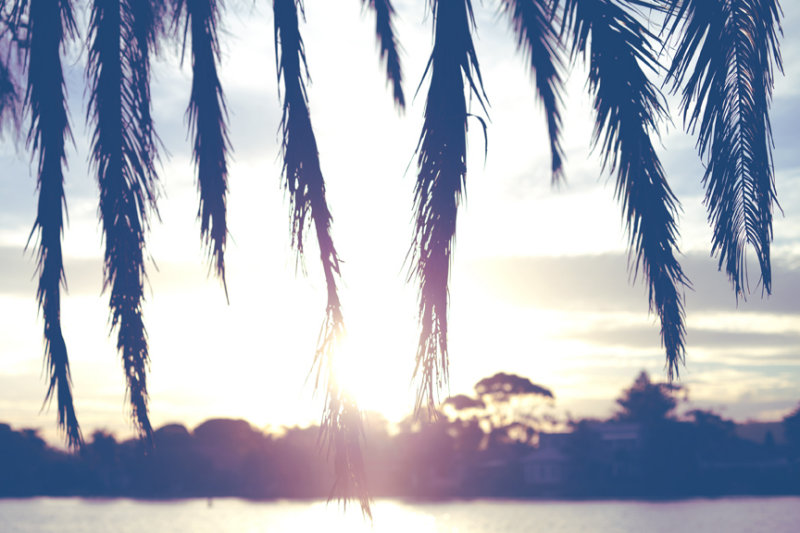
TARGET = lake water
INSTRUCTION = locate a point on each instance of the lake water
(73, 515)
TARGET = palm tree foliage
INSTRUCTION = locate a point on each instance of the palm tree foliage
(725, 54)
(9, 72)
(724, 62)
(341, 422)
(629, 107)
(442, 163)
(384, 30)
(539, 42)
(124, 150)
(207, 122)
(48, 24)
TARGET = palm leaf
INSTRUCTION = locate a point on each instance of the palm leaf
(124, 150)
(49, 24)
(341, 423)
(725, 58)
(532, 21)
(207, 115)
(384, 30)
(628, 108)
(10, 101)
(442, 164)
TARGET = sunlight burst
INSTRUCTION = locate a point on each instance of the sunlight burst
(378, 379)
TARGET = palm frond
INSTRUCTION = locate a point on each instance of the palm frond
(725, 60)
(628, 108)
(49, 24)
(389, 48)
(442, 165)
(207, 115)
(9, 96)
(13, 56)
(124, 150)
(533, 21)
(341, 427)
(10, 101)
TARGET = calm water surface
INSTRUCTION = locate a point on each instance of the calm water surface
(72, 515)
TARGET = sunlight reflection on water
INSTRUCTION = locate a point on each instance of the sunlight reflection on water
(72, 515)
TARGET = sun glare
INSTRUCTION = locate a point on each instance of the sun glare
(389, 517)
(375, 376)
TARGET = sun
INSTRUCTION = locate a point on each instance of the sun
(376, 374)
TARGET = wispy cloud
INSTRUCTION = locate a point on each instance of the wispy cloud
(600, 283)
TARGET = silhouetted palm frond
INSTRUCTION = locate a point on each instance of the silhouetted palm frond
(49, 24)
(10, 101)
(207, 123)
(442, 163)
(384, 30)
(9, 95)
(123, 33)
(725, 57)
(341, 428)
(533, 25)
(628, 108)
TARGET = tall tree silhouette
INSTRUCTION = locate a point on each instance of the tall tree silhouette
(123, 34)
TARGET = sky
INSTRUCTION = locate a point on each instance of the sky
(539, 281)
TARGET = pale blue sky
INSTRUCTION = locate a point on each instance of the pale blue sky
(539, 280)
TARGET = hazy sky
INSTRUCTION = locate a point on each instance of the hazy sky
(539, 284)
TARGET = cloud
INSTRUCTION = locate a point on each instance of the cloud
(85, 275)
(18, 273)
(647, 337)
(600, 283)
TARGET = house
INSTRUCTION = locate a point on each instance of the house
(551, 468)
(546, 469)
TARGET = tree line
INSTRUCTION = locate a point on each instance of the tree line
(476, 448)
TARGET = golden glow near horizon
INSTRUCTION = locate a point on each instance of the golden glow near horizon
(539, 285)
(373, 372)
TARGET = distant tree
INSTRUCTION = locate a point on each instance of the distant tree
(24, 462)
(647, 402)
(506, 405)
(502, 387)
(713, 434)
(712, 422)
(462, 402)
(791, 425)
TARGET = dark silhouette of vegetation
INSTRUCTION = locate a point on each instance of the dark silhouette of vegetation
(506, 406)
(502, 387)
(646, 402)
(726, 52)
(207, 115)
(629, 107)
(123, 35)
(49, 28)
(699, 454)
(791, 424)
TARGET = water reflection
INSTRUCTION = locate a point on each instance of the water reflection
(73, 515)
(388, 517)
